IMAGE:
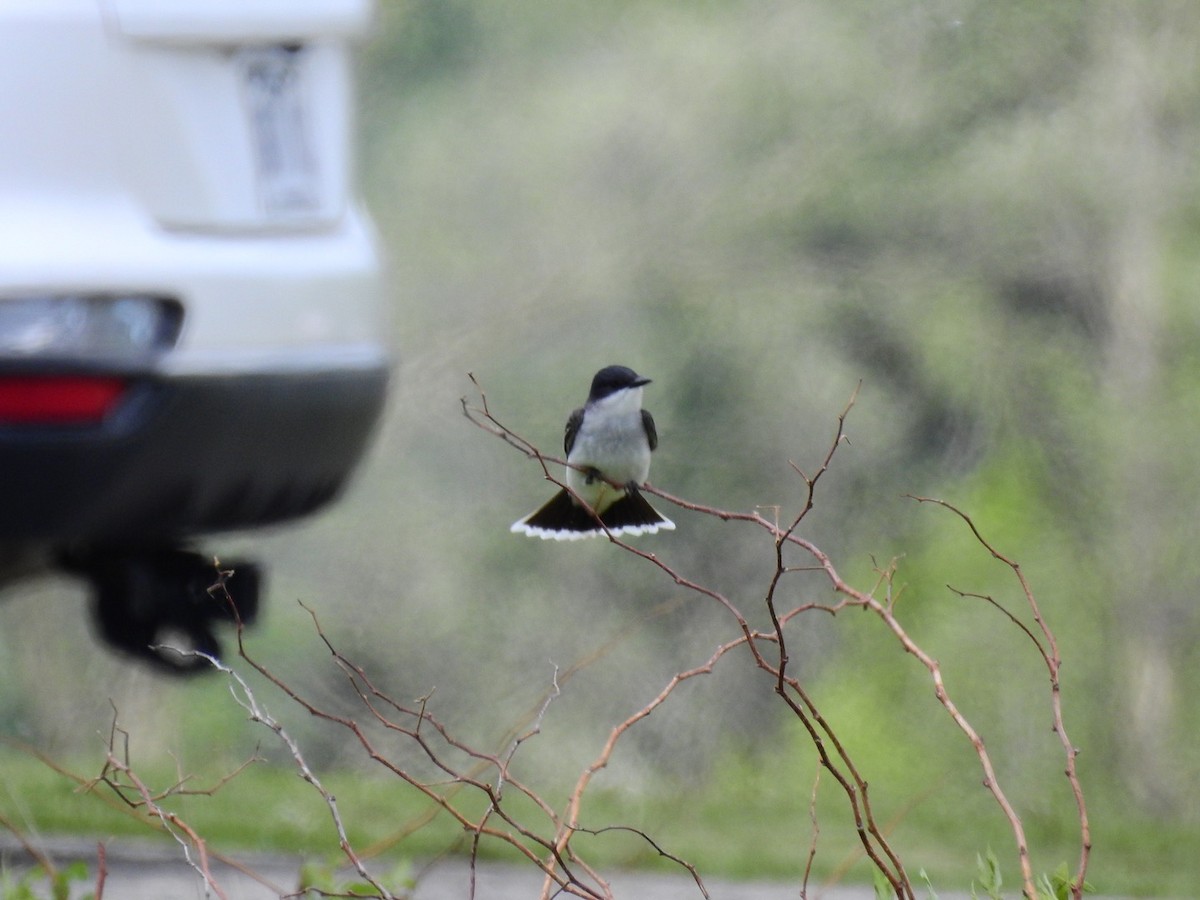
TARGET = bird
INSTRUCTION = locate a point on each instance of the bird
(608, 442)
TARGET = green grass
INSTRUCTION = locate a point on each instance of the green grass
(748, 824)
(265, 807)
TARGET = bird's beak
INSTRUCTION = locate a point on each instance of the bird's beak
(641, 380)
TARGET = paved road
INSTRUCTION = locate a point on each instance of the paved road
(142, 871)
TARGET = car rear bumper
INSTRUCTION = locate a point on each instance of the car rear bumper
(185, 455)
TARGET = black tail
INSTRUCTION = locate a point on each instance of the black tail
(633, 514)
(562, 519)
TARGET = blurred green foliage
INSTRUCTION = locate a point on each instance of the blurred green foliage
(988, 213)
(39, 884)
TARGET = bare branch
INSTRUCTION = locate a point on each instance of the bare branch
(130, 788)
(1050, 656)
(454, 775)
(816, 834)
(789, 689)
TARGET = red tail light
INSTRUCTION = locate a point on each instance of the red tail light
(57, 399)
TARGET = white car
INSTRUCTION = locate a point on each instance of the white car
(192, 308)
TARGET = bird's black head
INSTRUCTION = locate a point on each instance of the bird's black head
(611, 379)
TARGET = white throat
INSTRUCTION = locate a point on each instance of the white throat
(624, 402)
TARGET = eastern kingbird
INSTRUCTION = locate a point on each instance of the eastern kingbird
(610, 438)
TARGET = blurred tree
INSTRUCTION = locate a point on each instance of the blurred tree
(986, 211)
(1144, 53)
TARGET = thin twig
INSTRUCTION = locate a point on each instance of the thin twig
(245, 698)
(787, 687)
(127, 785)
(816, 834)
(514, 813)
(1050, 656)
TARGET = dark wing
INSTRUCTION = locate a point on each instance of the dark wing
(573, 424)
(651, 431)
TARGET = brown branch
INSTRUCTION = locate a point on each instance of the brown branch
(853, 785)
(118, 803)
(30, 848)
(511, 831)
(657, 849)
(1053, 660)
(101, 870)
(539, 832)
(789, 689)
(816, 834)
(132, 790)
(245, 698)
(992, 601)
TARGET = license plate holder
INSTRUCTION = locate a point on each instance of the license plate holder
(287, 170)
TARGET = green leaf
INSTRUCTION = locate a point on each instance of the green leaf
(924, 876)
(1057, 885)
(883, 887)
(315, 875)
(990, 879)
